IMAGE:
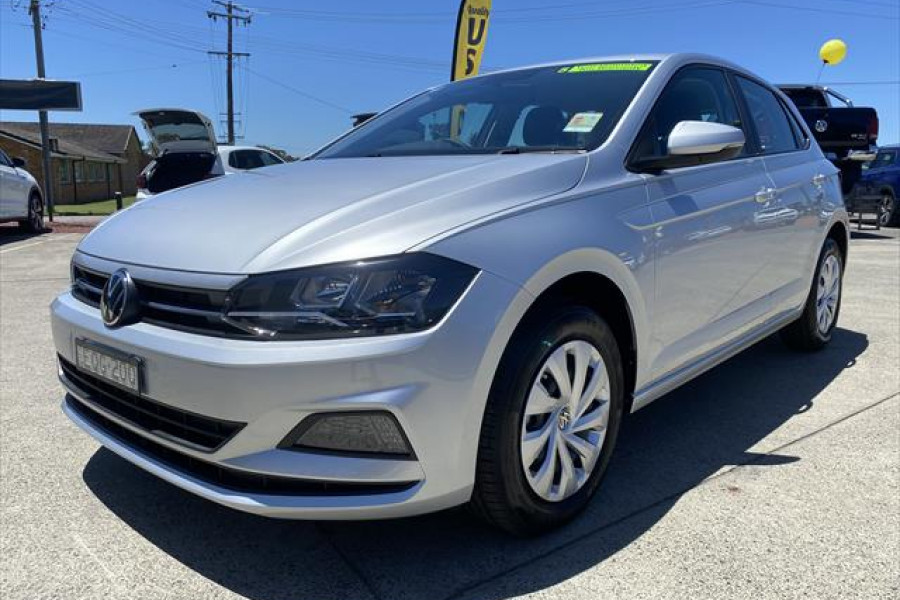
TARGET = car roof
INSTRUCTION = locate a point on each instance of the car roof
(230, 149)
(679, 57)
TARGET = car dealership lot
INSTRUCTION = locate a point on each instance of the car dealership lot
(775, 475)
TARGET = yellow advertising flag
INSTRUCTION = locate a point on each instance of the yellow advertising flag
(471, 33)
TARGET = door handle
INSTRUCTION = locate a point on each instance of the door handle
(819, 180)
(766, 195)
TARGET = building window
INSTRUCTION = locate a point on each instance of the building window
(96, 172)
(65, 174)
(79, 172)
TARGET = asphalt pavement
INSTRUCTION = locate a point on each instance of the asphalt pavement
(776, 475)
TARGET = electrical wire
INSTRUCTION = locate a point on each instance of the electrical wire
(299, 92)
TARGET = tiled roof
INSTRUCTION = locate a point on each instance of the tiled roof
(100, 142)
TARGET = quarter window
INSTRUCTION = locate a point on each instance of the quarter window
(693, 94)
(772, 125)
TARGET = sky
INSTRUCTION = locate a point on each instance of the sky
(313, 64)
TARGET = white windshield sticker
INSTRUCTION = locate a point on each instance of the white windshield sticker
(583, 122)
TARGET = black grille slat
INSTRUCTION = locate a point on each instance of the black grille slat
(204, 433)
(228, 478)
(185, 309)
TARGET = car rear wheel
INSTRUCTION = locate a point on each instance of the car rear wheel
(551, 422)
(812, 331)
(35, 221)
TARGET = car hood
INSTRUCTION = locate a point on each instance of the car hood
(323, 211)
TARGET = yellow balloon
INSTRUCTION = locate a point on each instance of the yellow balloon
(833, 51)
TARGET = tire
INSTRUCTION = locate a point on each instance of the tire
(890, 213)
(504, 495)
(807, 333)
(35, 221)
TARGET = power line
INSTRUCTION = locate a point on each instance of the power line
(299, 92)
(827, 11)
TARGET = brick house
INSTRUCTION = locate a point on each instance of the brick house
(90, 162)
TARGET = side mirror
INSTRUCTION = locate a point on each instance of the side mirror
(693, 143)
(701, 138)
(19, 163)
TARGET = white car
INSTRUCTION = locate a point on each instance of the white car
(20, 195)
(185, 150)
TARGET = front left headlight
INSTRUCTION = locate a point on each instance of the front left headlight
(397, 294)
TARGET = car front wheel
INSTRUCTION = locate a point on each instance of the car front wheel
(35, 221)
(889, 214)
(551, 422)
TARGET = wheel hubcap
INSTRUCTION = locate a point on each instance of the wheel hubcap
(565, 421)
(828, 293)
(37, 214)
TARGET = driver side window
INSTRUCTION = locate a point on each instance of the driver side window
(693, 94)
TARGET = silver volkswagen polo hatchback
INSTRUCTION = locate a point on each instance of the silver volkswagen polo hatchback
(460, 300)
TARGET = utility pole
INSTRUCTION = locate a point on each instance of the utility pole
(230, 17)
(34, 9)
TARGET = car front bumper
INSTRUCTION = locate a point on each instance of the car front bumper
(435, 383)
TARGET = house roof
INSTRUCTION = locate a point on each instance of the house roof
(101, 142)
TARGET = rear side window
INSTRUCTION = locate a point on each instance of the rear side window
(806, 97)
(694, 94)
(269, 159)
(246, 159)
(773, 127)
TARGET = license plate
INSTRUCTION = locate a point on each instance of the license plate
(110, 365)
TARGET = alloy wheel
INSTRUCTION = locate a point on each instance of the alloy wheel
(565, 421)
(887, 209)
(828, 293)
(36, 214)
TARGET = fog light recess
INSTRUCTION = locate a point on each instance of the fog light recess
(365, 432)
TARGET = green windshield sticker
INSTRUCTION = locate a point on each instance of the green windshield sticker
(592, 68)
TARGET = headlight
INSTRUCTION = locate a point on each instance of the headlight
(398, 294)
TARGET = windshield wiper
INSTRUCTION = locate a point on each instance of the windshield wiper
(550, 149)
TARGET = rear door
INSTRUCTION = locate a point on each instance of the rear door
(801, 180)
(706, 251)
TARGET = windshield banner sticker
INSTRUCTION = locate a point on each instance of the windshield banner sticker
(592, 68)
(583, 122)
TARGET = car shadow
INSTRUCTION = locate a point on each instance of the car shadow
(10, 233)
(856, 234)
(664, 450)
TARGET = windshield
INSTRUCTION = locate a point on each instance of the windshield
(546, 109)
(884, 158)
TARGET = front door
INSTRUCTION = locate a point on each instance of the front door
(706, 250)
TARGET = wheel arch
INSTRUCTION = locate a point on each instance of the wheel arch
(594, 278)
(841, 235)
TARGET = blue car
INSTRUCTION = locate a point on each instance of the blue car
(879, 187)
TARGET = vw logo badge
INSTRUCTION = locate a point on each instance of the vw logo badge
(821, 125)
(119, 304)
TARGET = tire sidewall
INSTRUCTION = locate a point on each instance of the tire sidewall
(532, 350)
(35, 212)
(830, 248)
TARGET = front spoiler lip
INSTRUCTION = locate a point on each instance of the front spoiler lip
(384, 505)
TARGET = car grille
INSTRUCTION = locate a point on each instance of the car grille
(190, 429)
(224, 477)
(185, 309)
